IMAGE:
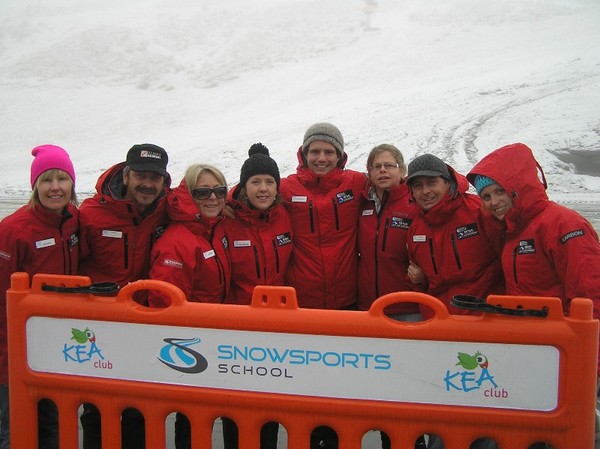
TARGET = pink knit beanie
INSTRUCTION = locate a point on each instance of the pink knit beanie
(48, 157)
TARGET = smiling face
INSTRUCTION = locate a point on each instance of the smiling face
(321, 157)
(143, 187)
(429, 190)
(261, 191)
(54, 190)
(212, 206)
(385, 172)
(496, 200)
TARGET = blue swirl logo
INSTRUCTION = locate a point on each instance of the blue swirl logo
(178, 355)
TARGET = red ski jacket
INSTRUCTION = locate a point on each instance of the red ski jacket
(382, 248)
(324, 211)
(115, 239)
(260, 247)
(34, 240)
(191, 254)
(453, 245)
(549, 250)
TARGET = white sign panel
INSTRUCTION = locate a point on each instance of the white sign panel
(431, 372)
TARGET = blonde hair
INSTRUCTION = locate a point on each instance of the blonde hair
(395, 152)
(48, 175)
(193, 172)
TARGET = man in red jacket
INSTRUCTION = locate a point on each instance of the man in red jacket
(118, 226)
(324, 201)
(125, 216)
(450, 243)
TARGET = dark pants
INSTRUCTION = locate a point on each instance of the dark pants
(183, 437)
(4, 418)
(47, 425)
(323, 437)
(387, 444)
(133, 435)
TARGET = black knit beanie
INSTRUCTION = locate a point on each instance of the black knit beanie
(259, 163)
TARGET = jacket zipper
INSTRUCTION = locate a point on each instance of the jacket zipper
(310, 215)
(515, 251)
(385, 195)
(256, 263)
(125, 250)
(336, 215)
(376, 243)
(435, 270)
(385, 231)
(456, 255)
(218, 262)
(276, 257)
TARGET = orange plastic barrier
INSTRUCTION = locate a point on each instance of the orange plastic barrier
(517, 380)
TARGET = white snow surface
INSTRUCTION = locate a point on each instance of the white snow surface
(206, 79)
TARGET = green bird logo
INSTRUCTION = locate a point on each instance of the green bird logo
(471, 362)
(83, 336)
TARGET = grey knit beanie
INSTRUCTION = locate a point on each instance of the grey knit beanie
(325, 132)
(427, 165)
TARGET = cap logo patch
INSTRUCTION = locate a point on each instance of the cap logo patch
(150, 154)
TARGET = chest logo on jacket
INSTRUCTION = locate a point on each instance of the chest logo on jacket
(283, 239)
(526, 247)
(400, 222)
(73, 240)
(466, 231)
(344, 197)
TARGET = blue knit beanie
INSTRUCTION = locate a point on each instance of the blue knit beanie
(481, 182)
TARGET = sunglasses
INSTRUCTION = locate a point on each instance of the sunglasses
(204, 193)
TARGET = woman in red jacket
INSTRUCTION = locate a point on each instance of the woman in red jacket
(260, 239)
(41, 237)
(192, 252)
(260, 235)
(386, 214)
(549, 250)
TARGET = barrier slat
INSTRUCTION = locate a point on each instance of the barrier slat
(343, 389)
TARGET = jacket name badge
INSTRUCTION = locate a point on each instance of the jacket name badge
(45, 243)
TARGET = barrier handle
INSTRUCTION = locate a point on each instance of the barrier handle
(437, 306)
(99, 288)
(175, 293)
(469, 302)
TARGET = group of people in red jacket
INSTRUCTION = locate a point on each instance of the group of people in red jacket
(341, 237)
